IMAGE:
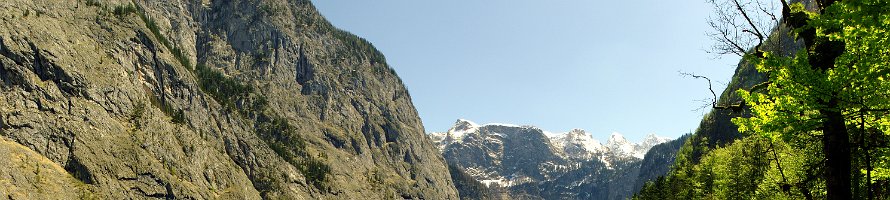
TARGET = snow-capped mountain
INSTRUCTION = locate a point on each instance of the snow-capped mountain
(455, 134)
(526, 159)
(650, 141)
(501, 154)
(577, 144)
(620, 146)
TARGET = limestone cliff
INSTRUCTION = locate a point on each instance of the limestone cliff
(201, 99)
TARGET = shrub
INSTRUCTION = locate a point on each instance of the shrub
(156, 32)
(316, 172)
(225, 90)
(138, 111)
(93, 3)
(358, 47)
(284, 141)
(177, 115)
(124, 10)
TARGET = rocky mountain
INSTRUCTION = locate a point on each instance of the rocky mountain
(577, 144)
(198, 99)
(620, 146)
(527, 162)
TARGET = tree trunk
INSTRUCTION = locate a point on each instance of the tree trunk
(836, 144)
(835, 140)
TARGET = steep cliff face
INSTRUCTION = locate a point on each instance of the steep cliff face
(205, 99)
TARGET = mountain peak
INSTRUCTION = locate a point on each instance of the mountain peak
(460, 128)
(575, 142)
(578, 144)
(463, 124)
(655, 138)
(577, 132)
(619, 144)
(650, 141)
(617, 138)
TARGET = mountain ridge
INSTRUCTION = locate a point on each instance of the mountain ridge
(528, 162)
(617, 143)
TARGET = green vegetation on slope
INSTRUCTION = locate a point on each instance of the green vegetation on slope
(155, 31)
(468, 187)
(819, 129)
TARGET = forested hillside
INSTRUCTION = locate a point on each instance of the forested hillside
(658, 161)
(806, 114)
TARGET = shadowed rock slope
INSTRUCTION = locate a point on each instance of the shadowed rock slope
(199, 99)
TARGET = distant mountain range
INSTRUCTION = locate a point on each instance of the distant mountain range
(527, 162)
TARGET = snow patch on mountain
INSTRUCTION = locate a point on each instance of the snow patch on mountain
(577, 144)
(461, 128)
(513, 156)
(456, 134)
(574, 144)
(620, 146)
(504, 125)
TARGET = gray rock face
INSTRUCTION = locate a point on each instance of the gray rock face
(525, 162)
(207, 100)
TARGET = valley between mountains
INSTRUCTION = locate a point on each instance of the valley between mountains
(267, 99)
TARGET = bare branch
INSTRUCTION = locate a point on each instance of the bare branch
(744, 13)
(734, 107)
(764, 10)
(741, 26)
(760, 86)
(710, 87)
(726, 43)
(705, 103)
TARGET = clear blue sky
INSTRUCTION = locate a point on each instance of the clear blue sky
(603, 66)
